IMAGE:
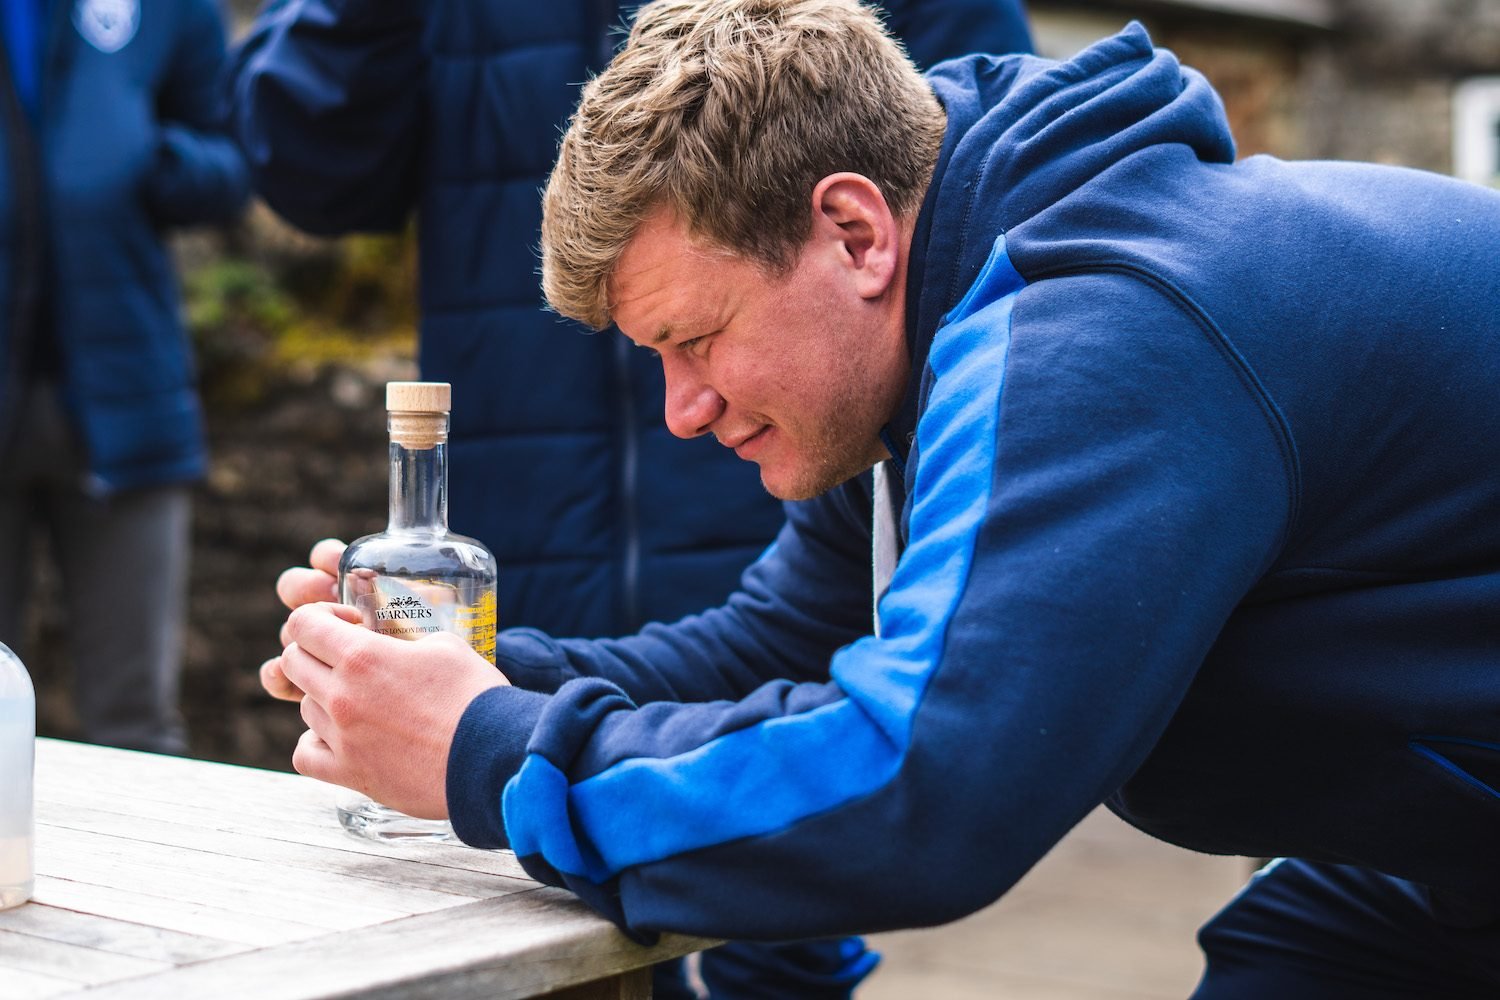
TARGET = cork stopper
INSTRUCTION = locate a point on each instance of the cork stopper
(418, 413)
(418, 397)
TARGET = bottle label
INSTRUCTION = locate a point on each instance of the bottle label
(410, 609)
(476, 623)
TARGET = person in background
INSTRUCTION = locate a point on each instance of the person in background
(1185, 503)
(108, 139)
(355, 113)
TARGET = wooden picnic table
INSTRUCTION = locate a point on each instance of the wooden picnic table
(163, 878)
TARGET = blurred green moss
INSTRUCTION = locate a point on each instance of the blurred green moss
(269, 303)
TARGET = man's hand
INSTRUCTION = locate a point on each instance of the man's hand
(380, 711)
(317, 581)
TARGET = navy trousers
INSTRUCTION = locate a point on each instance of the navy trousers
(1307, 931)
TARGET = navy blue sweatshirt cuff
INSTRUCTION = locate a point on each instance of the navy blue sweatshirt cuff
(488, 747)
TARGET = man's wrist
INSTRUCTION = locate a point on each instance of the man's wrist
(488, 748)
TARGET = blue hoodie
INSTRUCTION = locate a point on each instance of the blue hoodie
(1198, 518)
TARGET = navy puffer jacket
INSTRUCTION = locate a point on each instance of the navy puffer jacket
(126, 147)
(354, 112)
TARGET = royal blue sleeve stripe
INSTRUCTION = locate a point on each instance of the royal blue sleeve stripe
(768, 777)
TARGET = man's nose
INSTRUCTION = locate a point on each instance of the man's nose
(692, 406)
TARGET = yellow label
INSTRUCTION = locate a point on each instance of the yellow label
(476, 623)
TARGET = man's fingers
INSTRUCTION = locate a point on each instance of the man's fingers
(325, 556)
(275, 682)
(318, 720)
(344, 611)
(306, 671)
(333, 633)
(300, 585)
(314, 758)
(310, 591)
(348, 613)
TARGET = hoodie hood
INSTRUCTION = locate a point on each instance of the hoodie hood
(1024, 134)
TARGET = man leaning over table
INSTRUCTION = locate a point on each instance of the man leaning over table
(1184, 471)
(355, 113)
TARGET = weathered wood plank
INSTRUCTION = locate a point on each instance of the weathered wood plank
(264, 804)
(210, 880)
(522, 945)
(72, 962)
(108, 934)
(171, 914)
(19, 985)
(314, 826)
(381, 869)
(243, 880)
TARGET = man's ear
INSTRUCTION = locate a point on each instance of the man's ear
(851, 217)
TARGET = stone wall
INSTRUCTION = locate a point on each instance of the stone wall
(1381, 89)
(1376, 85)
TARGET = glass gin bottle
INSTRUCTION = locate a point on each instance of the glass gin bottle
(416, 577)
(17, 754)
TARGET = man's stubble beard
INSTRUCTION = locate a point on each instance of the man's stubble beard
(835, 450)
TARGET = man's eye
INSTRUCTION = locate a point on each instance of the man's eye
(695, 345)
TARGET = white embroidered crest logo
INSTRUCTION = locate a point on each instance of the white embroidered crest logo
(107, 25)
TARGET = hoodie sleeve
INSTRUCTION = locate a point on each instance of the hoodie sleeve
(935, 30)
(1100, 482)
(806, 596)
(327, 102)
(199, 175)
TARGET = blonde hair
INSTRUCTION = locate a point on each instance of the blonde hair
(729, 112)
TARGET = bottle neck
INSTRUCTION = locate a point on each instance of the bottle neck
(419, 481)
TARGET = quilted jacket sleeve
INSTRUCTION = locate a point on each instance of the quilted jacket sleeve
(199, 175)
(327, 101)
